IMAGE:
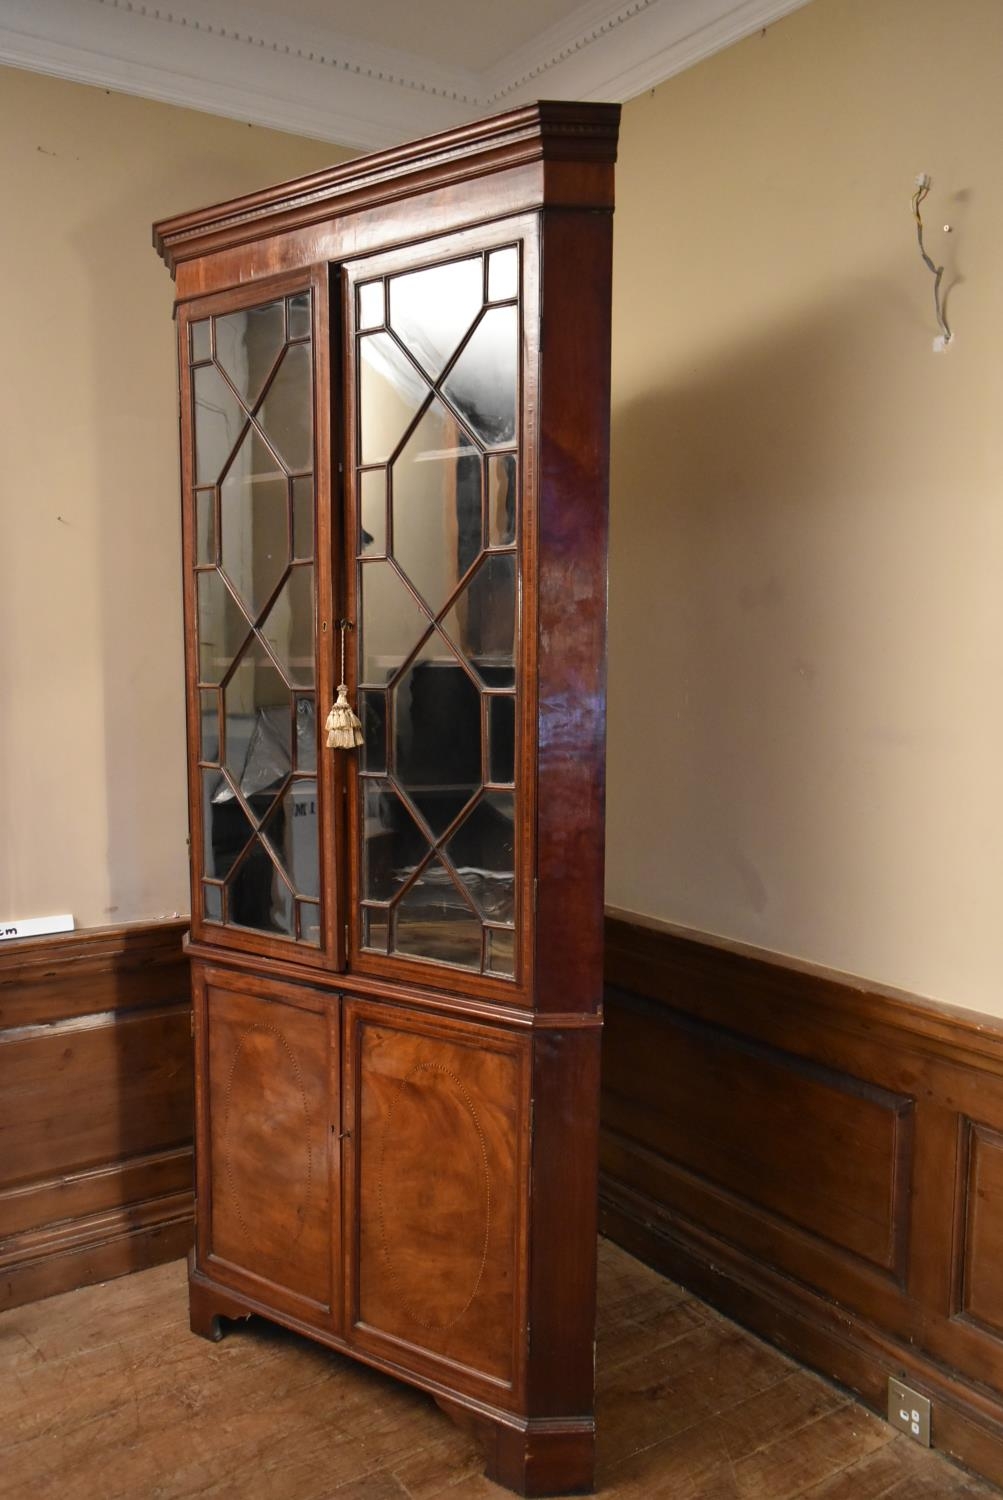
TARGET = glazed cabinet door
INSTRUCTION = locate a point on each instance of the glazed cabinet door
(267, 1151)
(440, 359)
(259, 564)
(438, 1118)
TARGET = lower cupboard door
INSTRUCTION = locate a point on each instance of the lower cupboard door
(271, 1054)
(436, 1187)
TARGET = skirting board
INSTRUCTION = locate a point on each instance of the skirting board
(95, 1107)
(821, 1159)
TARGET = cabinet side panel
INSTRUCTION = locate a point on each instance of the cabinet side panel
(269, 1145)
(573, 484)
(437, 1218)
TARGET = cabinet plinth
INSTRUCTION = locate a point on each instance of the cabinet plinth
(395, 408)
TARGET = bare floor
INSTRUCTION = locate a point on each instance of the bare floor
(105, 1395)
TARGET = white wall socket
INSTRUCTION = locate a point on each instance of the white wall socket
(909, 1411)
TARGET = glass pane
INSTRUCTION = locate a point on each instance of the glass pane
(212, 902)
(394, 844)
(371, 309)
(482, 383)
(501, 733)
(286, 414)
(482, 851)
(373, 512)
(219, 421)
(501, 951)
(503, 274)
(437, 505)
(258, 730)
(247, 346)
(303, 518)
(306, 734)
(258, 895)
(501, 500)
(222, 626)
(437, 734)
(209, 727)
(205, 526)
(309, 914)
(293, 833)
(299, 315)
(201, 343)
(431, 310)
(482, 621)
(375, 929)
(289, 627)
(373, 713)
(254, 518)
(433, 921)
(390, 392)
(226, 826)
(392, 622)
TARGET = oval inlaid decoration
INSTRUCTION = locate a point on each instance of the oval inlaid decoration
(267, 1157)
(434, 1197)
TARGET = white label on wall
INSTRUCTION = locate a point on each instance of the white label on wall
(34, 927)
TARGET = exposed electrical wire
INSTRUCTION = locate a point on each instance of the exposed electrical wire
(923, 184)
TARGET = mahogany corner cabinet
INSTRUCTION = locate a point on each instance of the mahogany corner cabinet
(394, 437)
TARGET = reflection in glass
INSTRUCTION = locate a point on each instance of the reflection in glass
(373, 512)
(503, 274)
(482, 383)
(218, 423)
(254, 519)
(501, 500)
(433, 921)
(209, 726)
(431, 310)
(443, 764)
(373, 713)
(482, 621)
(437, 505)
(222, 626)
(501, 733)
(501, 951)
(394, 845)
(292, 832)
(205, 526)
(298, 313)
(286, 414)
(258, 745)
(259, 897)
(226, 826)
(390, 392)
(247, 346)
(375, 928)
(289, 627)
(201, 342)
(212, 901)
(306, 733)
(482, 851)
(309, 915)
(303, 518)
(392, 621)
(371, 310)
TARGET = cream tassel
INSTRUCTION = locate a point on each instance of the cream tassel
(343, 728)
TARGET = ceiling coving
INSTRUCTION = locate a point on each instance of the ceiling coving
(370, 73)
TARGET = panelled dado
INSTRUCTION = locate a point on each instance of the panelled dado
(395, 404)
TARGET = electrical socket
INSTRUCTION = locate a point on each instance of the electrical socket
(909, 1411)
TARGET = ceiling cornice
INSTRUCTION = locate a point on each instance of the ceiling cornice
(226, 57)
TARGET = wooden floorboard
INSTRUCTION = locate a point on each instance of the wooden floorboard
(105, 1395)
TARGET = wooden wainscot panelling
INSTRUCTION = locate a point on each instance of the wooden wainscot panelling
(95, 1107)
(821, 1158)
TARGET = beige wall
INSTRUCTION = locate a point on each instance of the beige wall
(806, 641)
(92, 804)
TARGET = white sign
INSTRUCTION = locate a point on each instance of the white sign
(34, 927)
